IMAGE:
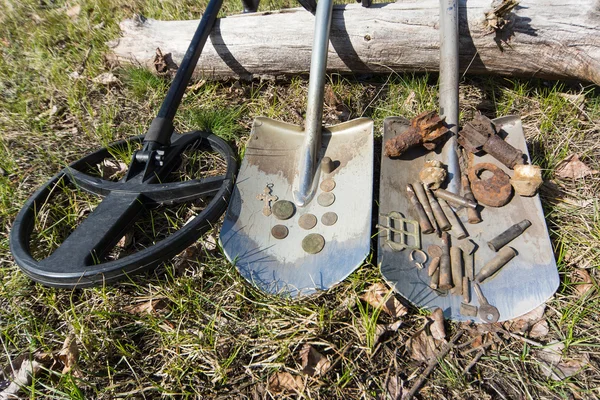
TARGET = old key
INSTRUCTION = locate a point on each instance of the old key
(487, 312)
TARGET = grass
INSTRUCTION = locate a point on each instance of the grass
(213, 335)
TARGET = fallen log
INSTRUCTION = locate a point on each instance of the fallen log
(538, 38)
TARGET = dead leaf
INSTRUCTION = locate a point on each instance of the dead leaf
(532, 322)
(74, 12)
(379, 296)
(69, 355)
(126, 240)
(111, 168)
(20, 373)
(438, 331)
(163, 63)
(147, 307)
(583, 280)
(422, 346)
(284, 381)
(554, 365)
(382, 329)
(572, 168)
(393, 388)
(106, 78)
(313, 362)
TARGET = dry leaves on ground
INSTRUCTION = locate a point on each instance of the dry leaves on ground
(147, 307)
(110, 168)
(285, 382)
(22, 369)
(573, 168)
(313, 362)
(438, 331)
(554, 365)
(106, 78)
(583, 281)
(382, 329)
(379, 296)
(422, 346)
(533, 323)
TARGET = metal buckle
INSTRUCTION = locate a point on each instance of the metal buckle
(395, 218)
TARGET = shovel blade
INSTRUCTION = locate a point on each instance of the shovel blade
(281, 266)
(524, 283)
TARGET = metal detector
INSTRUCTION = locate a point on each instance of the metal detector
(526, 281)
(299, 219)
(81, 260)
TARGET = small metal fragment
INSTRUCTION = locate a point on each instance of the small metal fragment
(434, 266)
(487, 312)
(422, 256)
(326, 199)
(283, 209)
(445, 270)
(473, 215)
(422, 197)
(495, 191)
(466, 293)
(279, 231)
(457, 230)
(327, 165)
(491, 267)
(435, 278)
(440, 217)
(434, 250)
(457, 269)
(307, 221)
(327, 185)
(267, 198)
(508, 235)
(426, 128)
(396, 228)
(468, 310)
(313, 243)
(421, 215)
(454, 198)
(329, 218)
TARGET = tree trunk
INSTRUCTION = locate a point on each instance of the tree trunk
(543, 38)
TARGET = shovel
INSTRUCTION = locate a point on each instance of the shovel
(526, 281)
(300, 214)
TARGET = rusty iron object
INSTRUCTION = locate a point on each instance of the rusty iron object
(480, 135)
(509, 235)
(445, 281)
(466, 293)
(473, 214)
(500, 260)
(426, 226)
(426, 128)
(495, 191)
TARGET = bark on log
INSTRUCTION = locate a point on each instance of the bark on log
(545, 38)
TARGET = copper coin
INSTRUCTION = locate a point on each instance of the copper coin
(313, 243)
(307, 221)
(327, 185)
(329, 218)
(326, 199)
(283, 209)
(279, 231)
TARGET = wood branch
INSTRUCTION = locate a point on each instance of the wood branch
(542, 38)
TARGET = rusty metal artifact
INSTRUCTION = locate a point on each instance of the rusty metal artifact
(426, 128)
(495, 191)
(480, 134)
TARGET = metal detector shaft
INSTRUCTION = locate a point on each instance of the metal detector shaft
(314, 109)
(161, 127)
(449, 86)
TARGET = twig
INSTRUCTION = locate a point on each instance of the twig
(432, 364)
(474, 361)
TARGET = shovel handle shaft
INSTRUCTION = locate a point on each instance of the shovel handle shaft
(449, 86)
(314, 107)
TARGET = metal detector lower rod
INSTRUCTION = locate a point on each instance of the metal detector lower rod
(161, 127)
(449, 86)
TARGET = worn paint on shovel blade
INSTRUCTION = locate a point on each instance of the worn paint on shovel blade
(527, 281)
(281, 266)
